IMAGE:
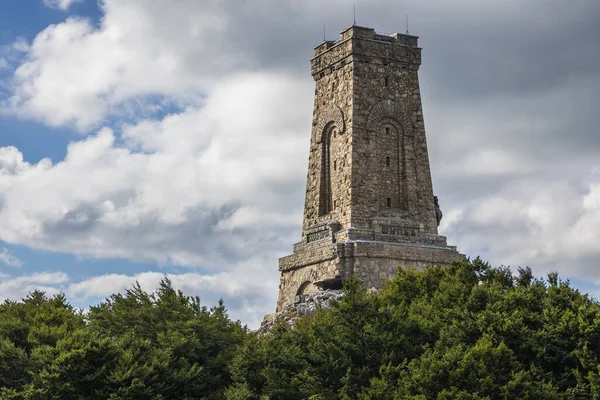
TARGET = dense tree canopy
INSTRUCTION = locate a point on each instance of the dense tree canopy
(138, 345)
(465, 332)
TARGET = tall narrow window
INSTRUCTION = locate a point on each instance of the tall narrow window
(325, 195)
(387, 130)
(387, 161)
(386, 81)
(334, 165)
(388, 201)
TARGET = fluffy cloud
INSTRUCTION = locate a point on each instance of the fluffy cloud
(204, 187)
(19, 287)
(246, 299)
(75, 73)
(60, 4)
(9, 259)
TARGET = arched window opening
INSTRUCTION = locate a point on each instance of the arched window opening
(325, 194)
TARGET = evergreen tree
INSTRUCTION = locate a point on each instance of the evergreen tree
(465, 332)
(138, 345)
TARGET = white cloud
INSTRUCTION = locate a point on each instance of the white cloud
(60, 4)
(21, 45)
(246, 299)
(19, 287)
(547, 223)
(202, 187)
(9, 259)
(77, 73)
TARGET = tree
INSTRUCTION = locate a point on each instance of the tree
(464, 332)
(138, 345)
(172, 347)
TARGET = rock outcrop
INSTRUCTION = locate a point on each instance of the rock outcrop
(304, 305)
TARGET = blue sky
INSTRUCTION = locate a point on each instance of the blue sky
(178, 136)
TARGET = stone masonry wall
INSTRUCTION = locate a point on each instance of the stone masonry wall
(388, 122)
(369, 204)
(300, 281)
(332, 112)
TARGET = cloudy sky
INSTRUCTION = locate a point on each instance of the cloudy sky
(140, 138)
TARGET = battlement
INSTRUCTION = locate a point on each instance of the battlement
(364, 33)
(365, 45)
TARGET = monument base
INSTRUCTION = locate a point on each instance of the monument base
(360, 254)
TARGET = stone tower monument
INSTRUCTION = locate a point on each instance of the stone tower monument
(369, 199)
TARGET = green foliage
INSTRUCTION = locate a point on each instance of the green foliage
(468, 332)
(465, 332)
(139, 345)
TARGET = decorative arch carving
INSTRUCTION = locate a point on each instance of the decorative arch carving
(388, 119)
(385, 111)
(331, 114)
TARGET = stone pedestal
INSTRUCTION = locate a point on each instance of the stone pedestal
(371, 257)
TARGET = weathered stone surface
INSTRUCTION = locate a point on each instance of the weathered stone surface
(369, 203)
(308, 305)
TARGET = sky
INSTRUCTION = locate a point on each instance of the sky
(149, 138)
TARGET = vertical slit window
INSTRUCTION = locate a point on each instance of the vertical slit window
(387, 161)
(325, 195)
(388, 201)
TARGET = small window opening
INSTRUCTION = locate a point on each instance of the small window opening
(334, 165)
(386, 81)
(387, 130)
(387, 161)
(335, 204)
(367, 61)
(389, 201)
